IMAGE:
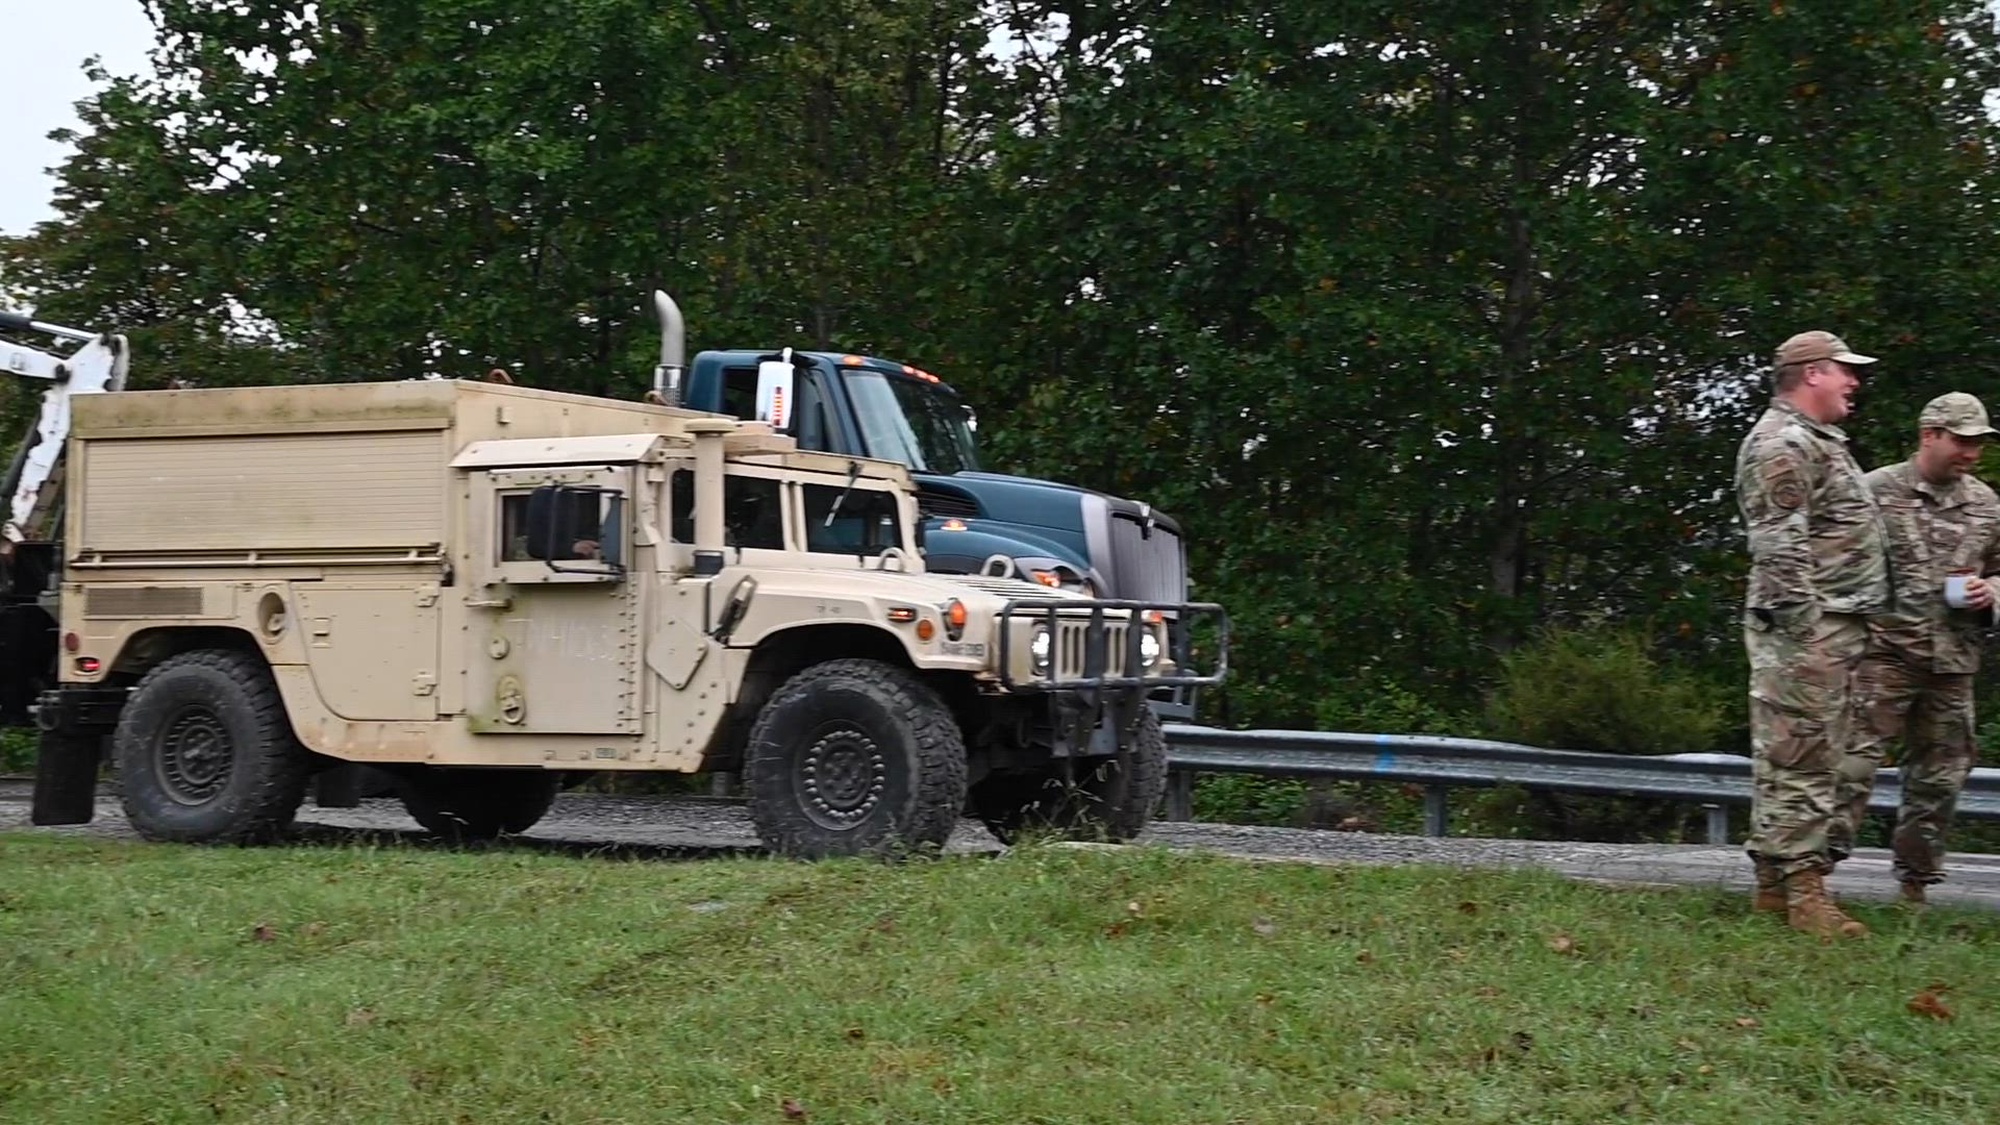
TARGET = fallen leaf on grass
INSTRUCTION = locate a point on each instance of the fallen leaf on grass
(313, 929)
(1265, 998)
(856, 1033)
(1468, 908)
(360, 1017)
(1704, 1069)
(1117, 929)
(264, 932)
(1928, 1003)
(1134, 909)
(1563, 943)
(793, 1109)
(1364, 957)
(1264, 926)
(1747, 1021)
(1688, 1045)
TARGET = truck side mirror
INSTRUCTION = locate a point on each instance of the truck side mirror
(776, 393)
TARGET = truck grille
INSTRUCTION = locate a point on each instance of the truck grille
(1146, 567)
(933, 504)
(1072, 650)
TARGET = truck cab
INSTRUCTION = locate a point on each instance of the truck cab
(974, 521)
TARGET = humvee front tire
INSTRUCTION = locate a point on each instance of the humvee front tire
(855, 757)
(468, 804)
(1111, 801)
(206, 753)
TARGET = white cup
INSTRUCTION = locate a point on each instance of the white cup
(1955, 592)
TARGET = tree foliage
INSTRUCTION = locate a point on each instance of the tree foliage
(1435, 322)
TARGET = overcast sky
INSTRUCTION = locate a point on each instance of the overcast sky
(47, 43)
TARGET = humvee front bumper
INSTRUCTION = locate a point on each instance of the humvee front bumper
(1087, 649)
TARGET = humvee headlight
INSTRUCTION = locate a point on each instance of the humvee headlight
(1039, 648)
(1149, 649)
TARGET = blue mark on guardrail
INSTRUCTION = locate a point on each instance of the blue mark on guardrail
(1385, 758)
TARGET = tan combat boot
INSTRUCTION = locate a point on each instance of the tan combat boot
(1810, 908)
(1770, 889)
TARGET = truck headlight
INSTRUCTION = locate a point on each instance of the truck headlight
(1038, 649)
(1149, 649)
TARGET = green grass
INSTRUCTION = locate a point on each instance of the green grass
(149, 983)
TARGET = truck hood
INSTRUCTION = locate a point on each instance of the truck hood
(1032, 502)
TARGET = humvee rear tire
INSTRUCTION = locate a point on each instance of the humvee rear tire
(855, 757)
(467, 804)
(206, 753)
(1111, 801)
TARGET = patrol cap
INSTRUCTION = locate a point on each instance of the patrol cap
(1808, 347)
(1958, 412)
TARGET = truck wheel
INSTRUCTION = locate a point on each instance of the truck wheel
(469, 804)
(855, 757)
(1112, 801)
(206, 753)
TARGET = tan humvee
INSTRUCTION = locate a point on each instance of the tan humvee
(487, 589)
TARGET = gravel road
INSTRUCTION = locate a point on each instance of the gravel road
(660, 827)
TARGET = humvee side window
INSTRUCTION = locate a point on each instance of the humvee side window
(753, 513)
(558, 524)
(867, 522)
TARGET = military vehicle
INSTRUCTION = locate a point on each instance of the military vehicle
(488, 591)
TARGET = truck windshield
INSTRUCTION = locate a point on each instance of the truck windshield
(918, 424)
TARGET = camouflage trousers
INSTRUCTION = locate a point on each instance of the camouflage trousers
(1800, 678)
(1931, 714)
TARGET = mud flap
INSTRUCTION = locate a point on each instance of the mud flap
(66, 779)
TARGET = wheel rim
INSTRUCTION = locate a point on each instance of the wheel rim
(841, 776)
(192, 755)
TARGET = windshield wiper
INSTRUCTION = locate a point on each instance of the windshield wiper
(853, 472)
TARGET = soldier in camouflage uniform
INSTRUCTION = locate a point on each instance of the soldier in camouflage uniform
(1915, 680)
(1818, 571)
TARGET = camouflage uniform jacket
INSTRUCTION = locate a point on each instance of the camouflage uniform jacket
(1934, 530)
(1816, 536)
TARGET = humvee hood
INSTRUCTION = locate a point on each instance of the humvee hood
(895, 586)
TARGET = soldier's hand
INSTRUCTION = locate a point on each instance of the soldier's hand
(1979, 594)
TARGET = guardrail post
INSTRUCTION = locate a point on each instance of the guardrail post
(1180, 795)
(1436, 812)
(1718, 823)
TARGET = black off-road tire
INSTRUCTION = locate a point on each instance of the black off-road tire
(470, 804)
(206, 753)
(1112, 801)
(855, 757)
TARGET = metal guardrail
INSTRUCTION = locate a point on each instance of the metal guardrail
(1715, 781)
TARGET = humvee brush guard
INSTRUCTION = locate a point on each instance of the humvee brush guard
(488, 590)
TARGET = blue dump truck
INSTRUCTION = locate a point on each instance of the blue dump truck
(974, 521)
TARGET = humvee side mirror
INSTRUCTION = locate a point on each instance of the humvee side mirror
(775, 391)
(567, 523)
